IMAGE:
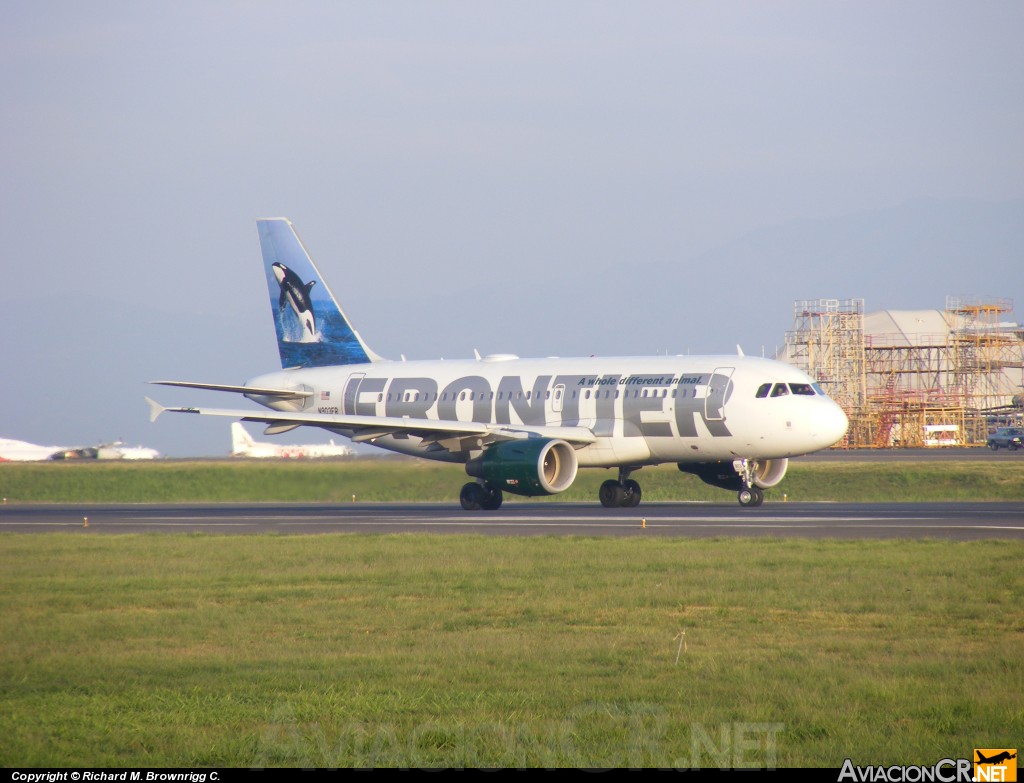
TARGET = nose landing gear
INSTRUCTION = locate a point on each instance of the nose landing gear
(750, 494)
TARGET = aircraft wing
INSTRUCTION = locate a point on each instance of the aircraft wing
(369, 428)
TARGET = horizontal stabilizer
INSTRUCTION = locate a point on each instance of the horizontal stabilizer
(237, 389)
(155, 409)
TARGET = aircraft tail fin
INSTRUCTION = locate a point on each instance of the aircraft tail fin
(312, 330)
(241, 440)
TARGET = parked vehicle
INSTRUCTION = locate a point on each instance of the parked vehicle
(1011, 438)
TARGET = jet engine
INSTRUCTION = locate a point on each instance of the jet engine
(767, 473)
(526, 467)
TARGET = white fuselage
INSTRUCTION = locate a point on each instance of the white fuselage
(22, 451)
(642, 410)
(273, 451)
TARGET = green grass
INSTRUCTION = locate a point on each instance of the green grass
(339, 651)
(395, 480)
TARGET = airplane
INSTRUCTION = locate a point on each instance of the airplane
(525, 426)
(242, 445)
(118, 450)
(996, 759)
(22, 451)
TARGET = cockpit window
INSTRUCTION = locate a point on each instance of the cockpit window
(801, 388)
(818, 389)
(763, 389)
(780, 390)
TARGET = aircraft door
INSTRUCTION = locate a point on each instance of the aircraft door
(352, 392)
(556, 400)
(718, 393)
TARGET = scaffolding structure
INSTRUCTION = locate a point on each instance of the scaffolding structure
(984, 343)
(831, 340)
(914, 390)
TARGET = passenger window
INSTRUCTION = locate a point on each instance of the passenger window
(801, 388)
(780, 390)
(762, 390)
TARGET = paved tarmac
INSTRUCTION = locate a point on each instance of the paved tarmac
(947, 454)
(960, 521)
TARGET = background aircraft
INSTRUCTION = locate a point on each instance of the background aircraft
(22, 451)
(242, 445)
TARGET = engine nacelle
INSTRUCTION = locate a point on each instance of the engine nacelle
(527, 467)
(767, 473)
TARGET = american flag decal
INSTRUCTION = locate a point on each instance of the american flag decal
(325, 395)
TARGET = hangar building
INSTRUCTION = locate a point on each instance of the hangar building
(914, 378)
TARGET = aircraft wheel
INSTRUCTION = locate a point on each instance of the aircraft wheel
(752, 496)
(493, 499)
(472, 497)
(611, 494)
(633, 494)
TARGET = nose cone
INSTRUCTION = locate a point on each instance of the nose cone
(832, 424)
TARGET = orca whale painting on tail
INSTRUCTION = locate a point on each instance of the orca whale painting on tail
(312, 330)
(296, 293)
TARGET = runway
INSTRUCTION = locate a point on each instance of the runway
(957, 521)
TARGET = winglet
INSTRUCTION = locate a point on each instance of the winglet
(739, 351)
(155, 409)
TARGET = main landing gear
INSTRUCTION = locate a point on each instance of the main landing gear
(476, 496)
(624, 493)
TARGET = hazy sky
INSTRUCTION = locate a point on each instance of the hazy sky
(461, 171)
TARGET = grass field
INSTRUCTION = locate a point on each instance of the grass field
(411, 650)
(346, 651)
(394, 480)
